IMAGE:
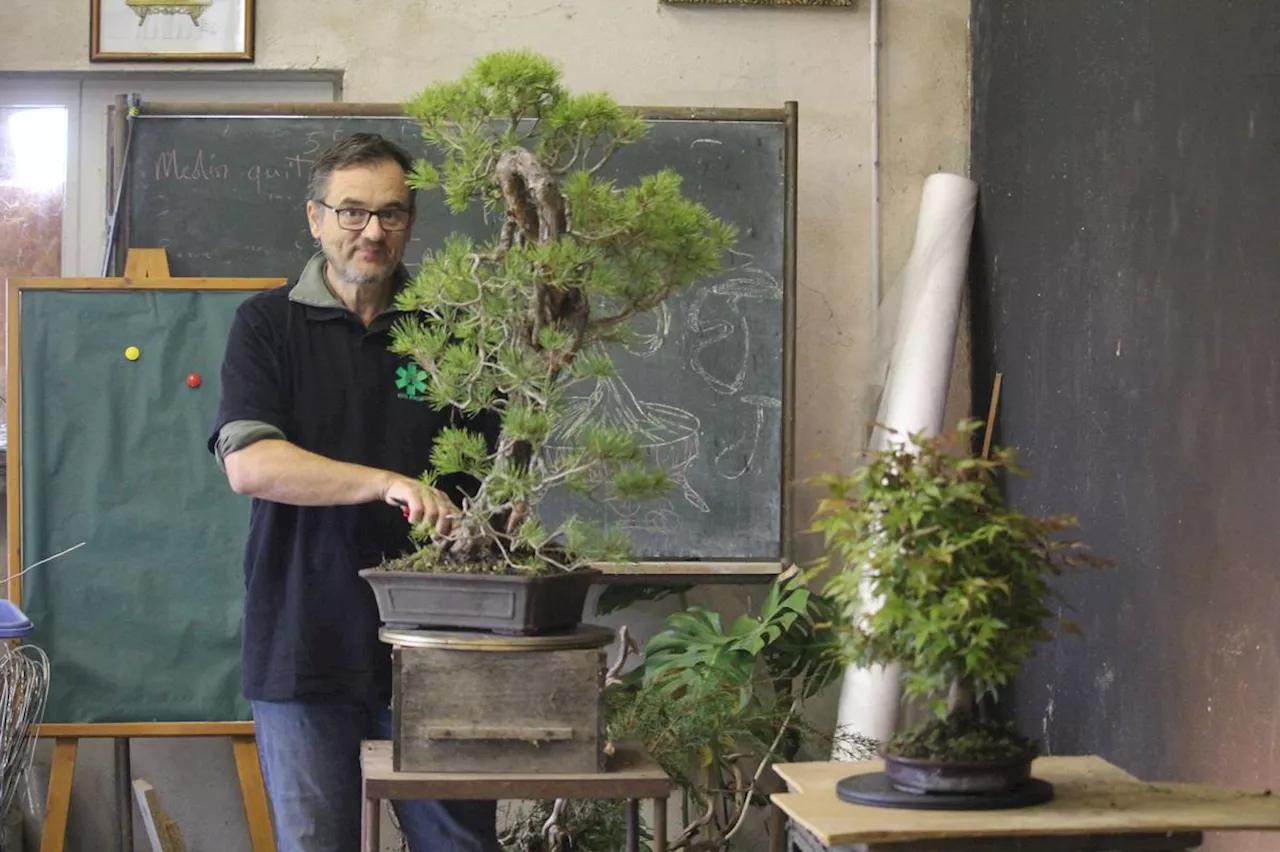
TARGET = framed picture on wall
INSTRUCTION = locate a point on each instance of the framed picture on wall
(171, 30)
(757, 2)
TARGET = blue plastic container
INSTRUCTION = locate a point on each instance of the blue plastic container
(13, 624)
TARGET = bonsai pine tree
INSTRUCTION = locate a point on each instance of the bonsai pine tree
(960, 578)
(506, 327)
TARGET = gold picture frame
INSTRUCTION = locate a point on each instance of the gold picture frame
(171, 30)
(826, 3)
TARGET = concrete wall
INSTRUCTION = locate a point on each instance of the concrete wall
(642, 53)
(1125, 282)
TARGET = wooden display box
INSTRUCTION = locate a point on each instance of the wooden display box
(462, 708)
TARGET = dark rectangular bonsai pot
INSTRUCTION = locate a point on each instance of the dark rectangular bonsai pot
(498, 603)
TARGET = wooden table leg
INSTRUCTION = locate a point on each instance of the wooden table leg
(660, 825)
(370, 825)
(633, 825)
(777, 829)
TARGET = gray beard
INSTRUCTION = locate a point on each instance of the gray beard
(360, 280)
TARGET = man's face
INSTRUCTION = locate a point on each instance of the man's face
(371, 254)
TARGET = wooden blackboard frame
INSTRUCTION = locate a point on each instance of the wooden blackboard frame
(698, 571)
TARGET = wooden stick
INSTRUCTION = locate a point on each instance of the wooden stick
(162, 831)
(991, 415)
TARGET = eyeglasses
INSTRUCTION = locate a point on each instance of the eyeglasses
(356, 218)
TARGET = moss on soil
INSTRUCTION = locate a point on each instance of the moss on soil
(961, 740)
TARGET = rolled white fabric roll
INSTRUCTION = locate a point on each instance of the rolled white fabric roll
(922, 316)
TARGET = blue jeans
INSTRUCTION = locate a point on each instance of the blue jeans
(310, 756)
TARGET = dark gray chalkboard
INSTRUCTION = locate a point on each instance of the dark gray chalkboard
(224, 195)
(1128, 156)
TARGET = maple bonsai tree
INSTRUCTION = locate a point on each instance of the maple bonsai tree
(506, 327)
(960, 579)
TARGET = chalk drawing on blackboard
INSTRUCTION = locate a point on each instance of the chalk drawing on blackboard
(643, 345)
(737, 458)
(722, 343)
(668, 436)
(716, 317)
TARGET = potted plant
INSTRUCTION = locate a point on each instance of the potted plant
(506, 327)
(960, 582)
(716, 703)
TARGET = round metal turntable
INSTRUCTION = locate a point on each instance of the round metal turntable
(875, 789)
(581, 637)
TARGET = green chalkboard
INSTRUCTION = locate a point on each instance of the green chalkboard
(223, 192)
(141, 623)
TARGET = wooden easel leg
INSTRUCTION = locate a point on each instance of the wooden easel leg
(254, 791)
(58, 804)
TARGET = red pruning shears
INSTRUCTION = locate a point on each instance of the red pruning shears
(404, 507)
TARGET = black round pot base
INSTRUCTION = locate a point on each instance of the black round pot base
(875, 789)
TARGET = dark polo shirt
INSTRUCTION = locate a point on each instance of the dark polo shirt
(300, 366)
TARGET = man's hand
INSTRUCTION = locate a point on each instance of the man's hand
(422, 504)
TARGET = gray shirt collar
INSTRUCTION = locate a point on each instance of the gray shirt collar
(313, 288)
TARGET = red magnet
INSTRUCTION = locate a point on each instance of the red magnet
(193, 380)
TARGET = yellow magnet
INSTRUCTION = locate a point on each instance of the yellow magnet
(132, 353)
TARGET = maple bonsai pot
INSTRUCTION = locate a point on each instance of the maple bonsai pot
(499, 603)
(917, 775)
(959, 755)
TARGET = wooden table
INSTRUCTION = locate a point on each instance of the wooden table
(631, 775)
(1097, 807)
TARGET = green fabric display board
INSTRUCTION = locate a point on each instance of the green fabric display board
(119, 391)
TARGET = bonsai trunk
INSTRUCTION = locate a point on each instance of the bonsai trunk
(960, 704)
(536, 213)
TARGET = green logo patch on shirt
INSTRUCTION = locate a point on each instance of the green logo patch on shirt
(411, 381)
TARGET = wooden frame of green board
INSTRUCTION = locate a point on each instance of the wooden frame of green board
(145, 270)
(699, 572)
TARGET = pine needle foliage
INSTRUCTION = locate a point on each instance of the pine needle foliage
(506, 327)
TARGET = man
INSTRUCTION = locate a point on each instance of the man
(312, 424)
